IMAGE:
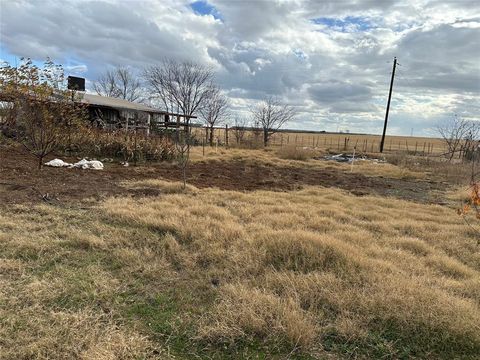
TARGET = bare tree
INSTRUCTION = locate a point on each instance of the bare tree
(119, 83)
(106, 84)
(239, 128)
(214, 111)
(182, 145)
(458, 133)
(271, 115)
(180, 86)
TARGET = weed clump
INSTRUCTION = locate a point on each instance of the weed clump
(295, 153)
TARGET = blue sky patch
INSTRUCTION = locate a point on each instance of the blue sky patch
(202, 7)
(347, 24)
(13, 60)
(300, 54)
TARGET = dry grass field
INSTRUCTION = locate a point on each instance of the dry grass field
(337, 141)
(276, 268)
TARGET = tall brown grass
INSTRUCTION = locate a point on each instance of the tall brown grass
(119, 144)
(313, 273)
(314, 261)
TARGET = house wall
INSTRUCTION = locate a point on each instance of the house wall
(112, 119)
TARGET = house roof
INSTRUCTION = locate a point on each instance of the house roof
(116, 103)
(122, 104)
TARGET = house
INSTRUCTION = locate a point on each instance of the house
(113, 113)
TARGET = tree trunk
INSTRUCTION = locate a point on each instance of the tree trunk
(265, 137)
(211, 135)
(40, 162)
(452, 154)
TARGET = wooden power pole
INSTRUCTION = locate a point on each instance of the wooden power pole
(388, 104)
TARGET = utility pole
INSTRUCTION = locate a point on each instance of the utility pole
(388, 104)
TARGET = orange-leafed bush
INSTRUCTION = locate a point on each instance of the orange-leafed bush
(473, 201)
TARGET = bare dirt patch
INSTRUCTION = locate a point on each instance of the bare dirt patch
(22, 182)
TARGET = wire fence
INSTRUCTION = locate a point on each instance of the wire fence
(337, 142)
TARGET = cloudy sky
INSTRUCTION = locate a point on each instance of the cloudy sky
(332, 59)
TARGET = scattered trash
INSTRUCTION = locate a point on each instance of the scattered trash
(125, 163)
(339, 158)
(82, 164)
(349, 158)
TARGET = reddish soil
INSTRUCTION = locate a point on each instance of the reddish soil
(22, 182)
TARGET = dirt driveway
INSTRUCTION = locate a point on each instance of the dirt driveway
(22, 182)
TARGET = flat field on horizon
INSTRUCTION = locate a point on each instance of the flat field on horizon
(337, 141)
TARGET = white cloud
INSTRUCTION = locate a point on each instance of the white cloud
(332, 74)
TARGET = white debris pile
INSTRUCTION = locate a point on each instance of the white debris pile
(82, 164)
(350, 158)
(58, 163)
(89, 164)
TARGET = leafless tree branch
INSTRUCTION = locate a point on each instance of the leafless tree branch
(271, 115)
(119, 83)
(458, 133)
(239, 128)
(215, 110)
(180, 86)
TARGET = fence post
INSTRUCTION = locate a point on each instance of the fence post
(226, 135)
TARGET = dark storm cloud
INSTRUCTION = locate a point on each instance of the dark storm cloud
(333, 91)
